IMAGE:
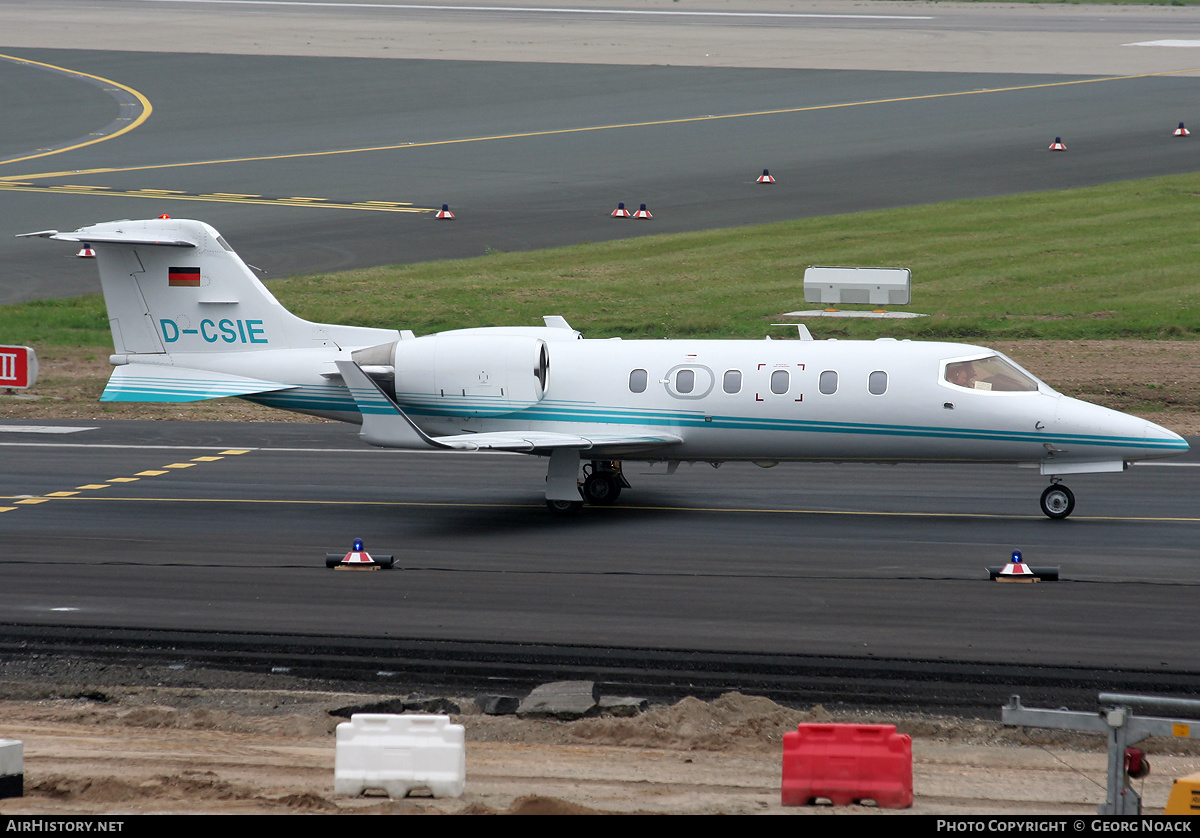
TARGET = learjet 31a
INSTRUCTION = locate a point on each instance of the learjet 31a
(190, 321)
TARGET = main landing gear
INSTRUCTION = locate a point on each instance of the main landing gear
(1057, 501)
(602, 482)
(601, 486)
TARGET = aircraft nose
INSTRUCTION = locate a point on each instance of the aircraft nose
(1099, 425)
(1159, 434)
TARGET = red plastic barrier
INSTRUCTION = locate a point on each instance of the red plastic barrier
(847, 764)
(18, 367)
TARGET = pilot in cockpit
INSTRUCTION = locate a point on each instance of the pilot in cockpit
(991, 373)
(962, 374)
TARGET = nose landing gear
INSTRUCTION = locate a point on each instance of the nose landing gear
(1057, 501)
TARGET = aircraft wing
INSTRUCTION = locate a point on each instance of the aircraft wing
(546, 441)
(386, 425)
(164, 383)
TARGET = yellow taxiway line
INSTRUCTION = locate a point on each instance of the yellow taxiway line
(215, 197)
(147, 108)
(22, 183)
(587, 129)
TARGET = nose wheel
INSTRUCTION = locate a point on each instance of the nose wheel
(1057, 501)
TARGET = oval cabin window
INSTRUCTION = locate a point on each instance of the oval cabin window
(637, 381)
(780, 379)
(685, 381)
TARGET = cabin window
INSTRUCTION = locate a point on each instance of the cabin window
(990, 373)
(780, 380)
(733, 381)
(685, 381)
(689, 381)
(827, 384)
(877, 383)
(637, 381)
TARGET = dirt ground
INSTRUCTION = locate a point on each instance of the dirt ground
(1159, 380)
(183, 750)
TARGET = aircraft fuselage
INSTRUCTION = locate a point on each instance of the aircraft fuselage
(880, 401)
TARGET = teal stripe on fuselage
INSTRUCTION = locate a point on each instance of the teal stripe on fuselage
(308, 399)
(617, 416)
(334, 398)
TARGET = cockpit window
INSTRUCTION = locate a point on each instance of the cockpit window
(990, 373)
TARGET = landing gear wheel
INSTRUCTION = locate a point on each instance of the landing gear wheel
(564, 507)
(1057, 501)
(602, 488)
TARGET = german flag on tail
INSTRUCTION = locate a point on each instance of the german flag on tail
(183, 277)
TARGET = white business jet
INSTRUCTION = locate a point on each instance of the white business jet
(190, 322)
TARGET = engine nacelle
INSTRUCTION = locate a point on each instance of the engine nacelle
(469, 374)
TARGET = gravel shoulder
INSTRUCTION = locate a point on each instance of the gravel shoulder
(221, 750)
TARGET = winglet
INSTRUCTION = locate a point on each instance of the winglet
(383, 422)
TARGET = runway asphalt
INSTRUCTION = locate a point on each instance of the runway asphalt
(858, 561)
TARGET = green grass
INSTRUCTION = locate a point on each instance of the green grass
(73, 321)
(1118, 260)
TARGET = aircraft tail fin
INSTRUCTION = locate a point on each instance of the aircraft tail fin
(176, 286)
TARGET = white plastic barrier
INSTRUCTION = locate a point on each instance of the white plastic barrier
(399, 754)
(12, 768)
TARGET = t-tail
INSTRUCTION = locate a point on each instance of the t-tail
(190, 321)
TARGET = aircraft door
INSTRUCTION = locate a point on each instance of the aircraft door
(689, 381)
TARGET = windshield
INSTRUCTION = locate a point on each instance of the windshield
(990, 373)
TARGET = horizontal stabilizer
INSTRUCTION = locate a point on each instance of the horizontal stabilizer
(138, 237)
(160, 383)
